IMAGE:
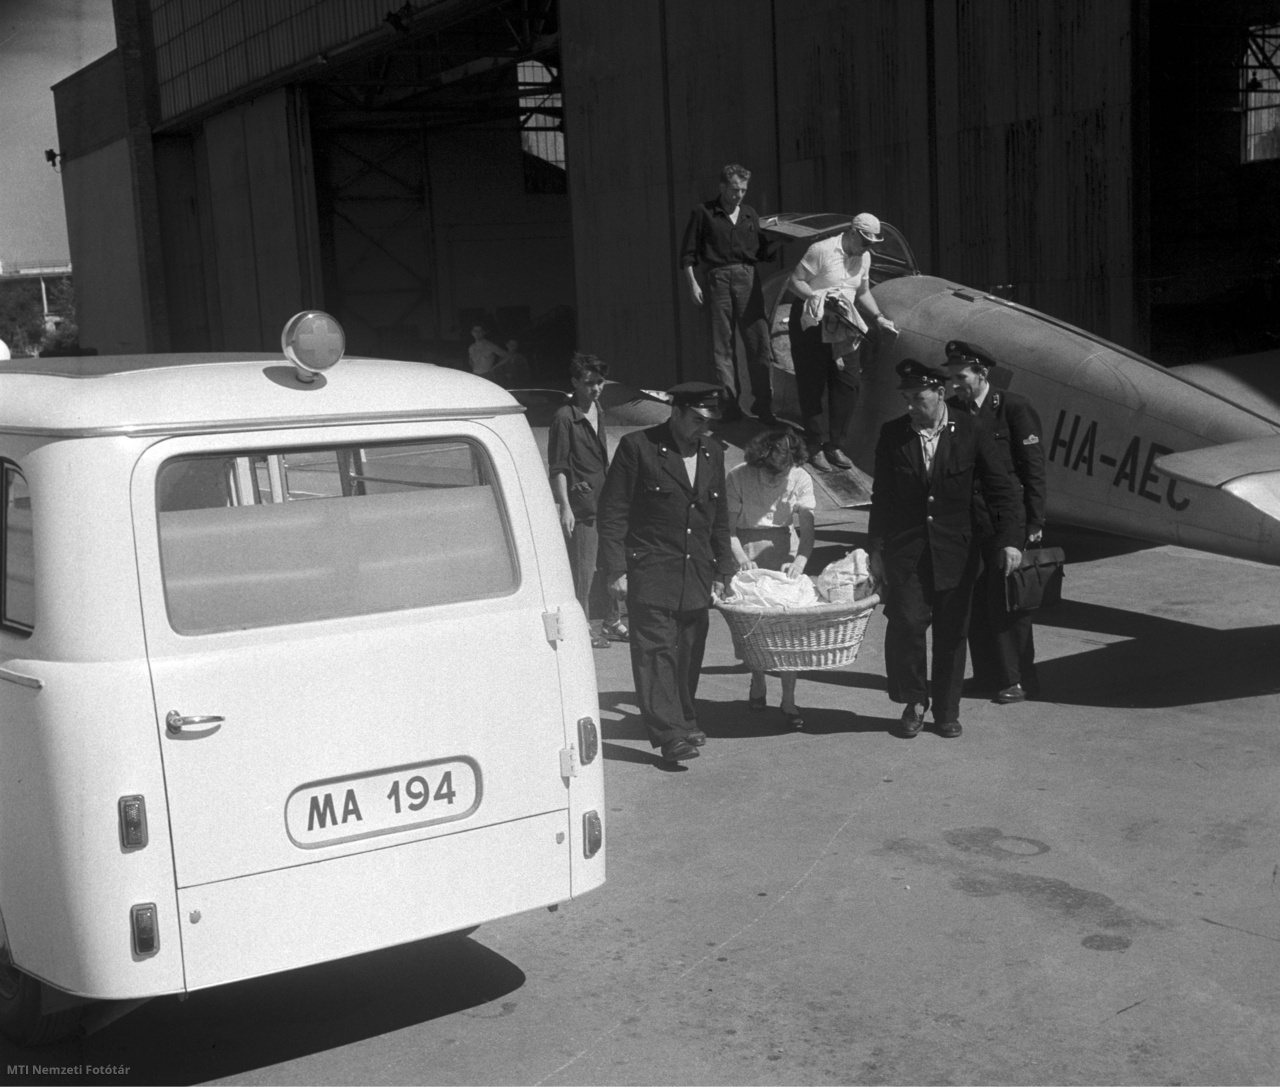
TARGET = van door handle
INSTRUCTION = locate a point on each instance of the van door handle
(174, 722)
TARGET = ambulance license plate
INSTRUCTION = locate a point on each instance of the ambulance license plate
(402, 798)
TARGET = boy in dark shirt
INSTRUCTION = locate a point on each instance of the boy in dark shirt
(577, 455)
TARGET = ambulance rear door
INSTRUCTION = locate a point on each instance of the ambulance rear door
(349, 654)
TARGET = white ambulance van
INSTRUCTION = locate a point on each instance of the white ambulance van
(291, 669)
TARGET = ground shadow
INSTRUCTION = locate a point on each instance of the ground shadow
(1161, 661)
(237, 1028)
(1087, 545)
(640, 756)
(833, 677)
(735, 720)
(630, 727)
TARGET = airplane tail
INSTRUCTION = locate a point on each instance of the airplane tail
(1249, 470)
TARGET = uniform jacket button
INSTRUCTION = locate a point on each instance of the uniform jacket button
(929, 518)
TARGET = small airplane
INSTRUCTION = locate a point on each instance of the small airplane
(1131, 447)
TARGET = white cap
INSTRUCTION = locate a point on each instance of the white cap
(867, 225)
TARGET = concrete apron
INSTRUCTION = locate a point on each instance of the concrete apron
(1077, 890)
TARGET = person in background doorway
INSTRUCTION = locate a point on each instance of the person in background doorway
(832, 288)
(483, 353)
(767, 494)
(664, 539)
(578, 458)
(515, 371)
(1001, 642)
(724, 237)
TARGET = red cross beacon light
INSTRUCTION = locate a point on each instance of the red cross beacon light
(313, 341)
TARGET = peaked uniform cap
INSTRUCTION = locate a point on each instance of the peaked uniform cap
(914, 374)
(702, 395)
(961, 353)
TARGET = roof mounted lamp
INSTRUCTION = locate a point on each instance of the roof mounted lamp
(313, 341)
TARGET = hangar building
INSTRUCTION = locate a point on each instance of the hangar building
(531, 163)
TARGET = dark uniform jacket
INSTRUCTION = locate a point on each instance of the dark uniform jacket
(578, 451)
(670, 539)
(911, 512)
(1015, 425)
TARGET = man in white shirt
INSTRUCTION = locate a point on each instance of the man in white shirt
(826, 368)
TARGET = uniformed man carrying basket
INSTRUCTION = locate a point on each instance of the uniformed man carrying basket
(664, 540)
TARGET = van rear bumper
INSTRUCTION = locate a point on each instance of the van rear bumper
(329, 909)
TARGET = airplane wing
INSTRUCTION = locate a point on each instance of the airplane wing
(1250, 470)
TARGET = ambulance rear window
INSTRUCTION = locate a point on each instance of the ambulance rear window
(258, 538)
(17, 591)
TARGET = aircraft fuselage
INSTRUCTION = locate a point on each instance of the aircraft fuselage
(1108, 416)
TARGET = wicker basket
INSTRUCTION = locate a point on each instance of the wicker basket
(800, 639)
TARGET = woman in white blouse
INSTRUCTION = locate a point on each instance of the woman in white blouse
(766, 495)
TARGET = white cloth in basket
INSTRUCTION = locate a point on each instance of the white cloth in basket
(847, 579)
(771, 589)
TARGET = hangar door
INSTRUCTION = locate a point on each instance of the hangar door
(376, 244)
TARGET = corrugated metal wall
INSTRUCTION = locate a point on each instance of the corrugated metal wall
(618, 160)
(1035, 157)
(995, 133)
(102, 216)
(208, 49)
(238, 226)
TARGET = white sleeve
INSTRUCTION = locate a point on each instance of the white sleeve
(733, 495)
(802, 496)
(811, 263)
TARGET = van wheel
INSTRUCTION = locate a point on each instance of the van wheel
(22, 1015)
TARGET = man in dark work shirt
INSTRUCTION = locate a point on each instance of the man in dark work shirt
(724, 236)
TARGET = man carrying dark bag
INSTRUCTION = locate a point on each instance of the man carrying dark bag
(1001, 642)
(921, 540)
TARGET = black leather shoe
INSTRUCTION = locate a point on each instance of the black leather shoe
(678, 751)
(837, 457)
(696, 737)
(756, 702)
(764, 413)
(1011, 694)
(820, 462)
(949, 730)
(912, 720)
(794, 718)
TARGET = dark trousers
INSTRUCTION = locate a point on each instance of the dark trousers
(912, 606)
(1001, 643)
(588, 586)
(818, 380)
(734, 300)
(666, 661)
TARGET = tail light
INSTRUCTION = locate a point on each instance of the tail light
(588, 740)
(146, 928)
(592, 834)
(133, 822)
